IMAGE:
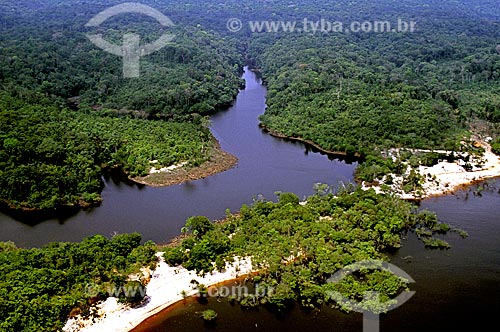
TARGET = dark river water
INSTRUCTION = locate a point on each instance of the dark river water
(456, 289)
(266, 165)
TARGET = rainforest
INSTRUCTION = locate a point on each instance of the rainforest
(377, 133)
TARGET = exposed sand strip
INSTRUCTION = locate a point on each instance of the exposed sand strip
(165, 288)
(446, 177)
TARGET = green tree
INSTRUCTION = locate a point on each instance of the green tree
(199, 225)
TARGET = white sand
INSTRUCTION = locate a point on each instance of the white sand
(164, 289)
(446, 177)
(168, 283)
(168, 169)
(451, 176)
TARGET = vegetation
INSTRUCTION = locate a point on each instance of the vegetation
(41, 287)
(45, 52)
(209, 315)
(52, 156)
(298, 247)
(67, 115)
(495, 146)
(363, 93)
(358, 93)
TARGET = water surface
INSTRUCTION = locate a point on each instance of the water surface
(266, 165)
(456, 289)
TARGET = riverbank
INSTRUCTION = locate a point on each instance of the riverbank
(441, 179)
(307, 143)
(218, 161)
(444, 177)
(167, 286)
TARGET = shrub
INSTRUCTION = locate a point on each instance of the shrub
(209, 315)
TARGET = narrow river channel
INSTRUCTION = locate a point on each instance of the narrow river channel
(455, 289)
(265, 165)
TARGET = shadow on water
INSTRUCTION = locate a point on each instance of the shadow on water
(119, 178)
(33, 218)
(265, 165)
(64, 213)
(308, 148)
(186, 316)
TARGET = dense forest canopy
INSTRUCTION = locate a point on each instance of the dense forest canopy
(364, 93)
(368, 91)
(40, 287)
(315, 240)
(196, 73)
(52, 156)
(67, 114)
(354, 93)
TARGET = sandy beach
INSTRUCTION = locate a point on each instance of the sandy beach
(219, 161)
(447, 177)
(167, 286)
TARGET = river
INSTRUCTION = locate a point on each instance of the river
(265, 165)
(455, 289)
